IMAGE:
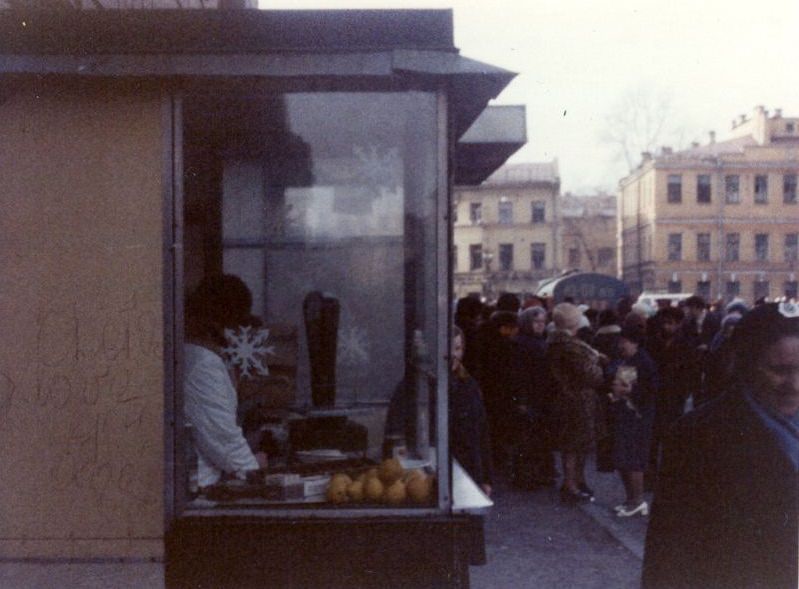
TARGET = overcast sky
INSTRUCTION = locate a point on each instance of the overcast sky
(711, 60)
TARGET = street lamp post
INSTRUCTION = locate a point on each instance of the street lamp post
(488, 287)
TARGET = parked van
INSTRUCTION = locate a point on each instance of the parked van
(652, 299)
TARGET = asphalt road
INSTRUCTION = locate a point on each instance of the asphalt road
(534, 541)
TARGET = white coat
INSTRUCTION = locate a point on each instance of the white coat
(210, 405)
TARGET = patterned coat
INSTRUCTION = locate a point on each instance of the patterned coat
(577, 372)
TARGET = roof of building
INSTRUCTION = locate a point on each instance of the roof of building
(588, 205)
(711, 150)
(526, 173)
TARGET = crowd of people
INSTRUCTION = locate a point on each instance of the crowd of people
(697, 402)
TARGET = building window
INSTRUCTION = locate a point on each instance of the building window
(732, 192)
(761, 247)
(761, 290)
(789, 189)
(790, 290)
(675, 188)
(703, 247)
(732, 247)
(574, 257)
(703, 188)
(538, 254)
(454, 258)
(539, 212)
(703, 289)
(505, 256)
(675, 247)
(475, 257)
(789, 127)
(761, 189)
(505, 212)
(732, 289)
(675, 286)
(604, 256)
(455, 213)
(791, 247)
(475, 212)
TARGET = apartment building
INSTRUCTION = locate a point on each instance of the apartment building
(720, 219)
(506, 231)
(588, 232)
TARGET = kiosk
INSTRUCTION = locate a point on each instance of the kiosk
(308, 153)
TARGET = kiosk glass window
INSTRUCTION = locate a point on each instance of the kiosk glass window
(325, 206)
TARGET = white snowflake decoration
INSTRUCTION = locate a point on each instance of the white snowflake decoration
(376, 169)
(248, 350)
(353, 346)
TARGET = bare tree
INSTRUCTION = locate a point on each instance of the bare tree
(642, 120)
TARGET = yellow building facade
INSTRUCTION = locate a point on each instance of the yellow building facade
(721, 219)
(506, 231)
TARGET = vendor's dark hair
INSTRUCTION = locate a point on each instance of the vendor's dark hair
(219, 301)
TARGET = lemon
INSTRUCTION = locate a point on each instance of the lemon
(373, 489)
(390, 470)
(395, 493)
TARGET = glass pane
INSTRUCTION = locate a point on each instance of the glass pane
(323, 206)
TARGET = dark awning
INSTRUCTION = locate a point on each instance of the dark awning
(497, 134)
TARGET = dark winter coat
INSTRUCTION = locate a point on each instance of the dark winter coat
(468, 429)
(632, 423)
(725, 510)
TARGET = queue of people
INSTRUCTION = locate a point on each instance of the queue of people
(620, 382)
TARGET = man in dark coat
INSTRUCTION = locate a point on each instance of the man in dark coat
(726, 508)
(696, 334)
(503, 379)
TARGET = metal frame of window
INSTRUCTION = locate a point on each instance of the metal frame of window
(761, 247)
(674, 188)
(475, 212)
(475, 250)
(732, 189)
(704, 193)
(761, 189)
(506, 257)
(536, 249)
(703, 247)
(505, 212)
(791, 247)
(732, 247)
(789, 189)
(675, 247)
(538, 211)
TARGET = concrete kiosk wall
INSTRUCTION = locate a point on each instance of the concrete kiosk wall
(81, 328)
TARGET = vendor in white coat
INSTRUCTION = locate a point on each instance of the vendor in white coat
(210, 399)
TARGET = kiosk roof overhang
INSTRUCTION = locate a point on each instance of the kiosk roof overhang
(372, 47)
(497, 134)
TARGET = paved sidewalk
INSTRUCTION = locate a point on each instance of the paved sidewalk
(533, 541)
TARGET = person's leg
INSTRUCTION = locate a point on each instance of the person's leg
(570, 479)
(627, 482)
(636, 490)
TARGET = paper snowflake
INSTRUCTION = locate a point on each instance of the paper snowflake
(353, 346)
(247, 350)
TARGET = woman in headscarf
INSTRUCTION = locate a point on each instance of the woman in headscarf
(725, 511)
